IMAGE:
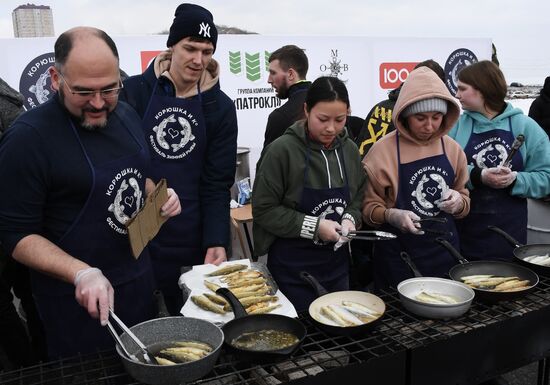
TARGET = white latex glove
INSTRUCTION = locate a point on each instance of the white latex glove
(451, 202)
(328, 230)
(403, 220)
(172, 207)
(347, 226)
(95, 293)
(498, 177)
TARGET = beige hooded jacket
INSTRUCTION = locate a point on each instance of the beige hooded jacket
(381, 162)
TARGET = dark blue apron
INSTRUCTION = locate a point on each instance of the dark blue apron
(99, 238)
(492, 206)
(287, 257)
(176, 133)
(421, 183)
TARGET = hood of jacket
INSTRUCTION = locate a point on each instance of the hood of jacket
(483, 122)
(423, 83)
(208, 80)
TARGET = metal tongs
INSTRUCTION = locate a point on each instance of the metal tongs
(147, 356)
(370, 235)
(433, 231)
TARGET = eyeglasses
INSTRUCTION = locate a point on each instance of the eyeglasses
(109, 93)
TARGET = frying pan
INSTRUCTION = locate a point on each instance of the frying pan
(499, 268)
(523, 251)
(244, 323)
(324, 298)
(410, 288)
(163, 332)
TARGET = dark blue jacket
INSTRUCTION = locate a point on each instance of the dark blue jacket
(218, 172)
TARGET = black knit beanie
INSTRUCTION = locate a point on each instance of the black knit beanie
(191, 20)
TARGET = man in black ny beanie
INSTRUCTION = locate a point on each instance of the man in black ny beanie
(191, 130)
(192, 20)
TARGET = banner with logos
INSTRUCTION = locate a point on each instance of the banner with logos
(369, 66)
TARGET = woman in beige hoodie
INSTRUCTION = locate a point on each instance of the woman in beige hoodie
(417, 174)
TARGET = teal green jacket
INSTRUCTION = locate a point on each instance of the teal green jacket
(279, 182)
(534, 180)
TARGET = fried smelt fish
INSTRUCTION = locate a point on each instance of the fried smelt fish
(333, 316)
(194, 344)
(164, 361)
(238, 275)
(244, 294)
(227, 269)
(216, 299)
(246, 282)
(359, 308)
(514, 285)
(435, 298)
(264, 310)
(211, 285)
(205, 304)
(340, 315)
(242, 289)
(180, 355)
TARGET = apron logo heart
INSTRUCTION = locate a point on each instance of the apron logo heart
(129, 201)
(340, 210)
(431, 190)
(492, 158)
(173, 132)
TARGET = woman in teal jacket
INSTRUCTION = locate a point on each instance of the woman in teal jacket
(308, 190)
(486, 131)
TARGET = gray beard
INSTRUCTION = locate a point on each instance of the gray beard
(82, 119)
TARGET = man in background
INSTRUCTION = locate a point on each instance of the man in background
(288, 67)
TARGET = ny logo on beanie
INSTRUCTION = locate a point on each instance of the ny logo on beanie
(204, 29)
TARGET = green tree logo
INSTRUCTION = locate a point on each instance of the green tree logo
(235, 62)
(252, 63)
(252, 66)
(267, 54)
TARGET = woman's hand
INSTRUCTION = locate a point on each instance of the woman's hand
(403, 220)
(451, 202)
(498, 177)
(328, 230)
(347, 226)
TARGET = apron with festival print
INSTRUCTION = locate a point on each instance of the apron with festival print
(421, 185)
(176, 133)
(491, 206)
(98, 237)
(287, 257)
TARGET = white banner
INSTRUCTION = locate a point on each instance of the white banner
(370, 67)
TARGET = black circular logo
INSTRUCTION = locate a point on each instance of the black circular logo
(459, 59)
(35, 83)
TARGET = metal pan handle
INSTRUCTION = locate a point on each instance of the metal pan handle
(310, 279)
(454, 252)
(507, 236)
(407, 259)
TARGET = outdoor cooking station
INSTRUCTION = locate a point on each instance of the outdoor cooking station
(490, 339)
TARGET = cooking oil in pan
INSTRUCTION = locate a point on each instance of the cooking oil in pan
(264, 340)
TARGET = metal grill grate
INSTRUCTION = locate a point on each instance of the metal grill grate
(319, 355)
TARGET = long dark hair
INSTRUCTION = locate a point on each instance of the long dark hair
(326, 89)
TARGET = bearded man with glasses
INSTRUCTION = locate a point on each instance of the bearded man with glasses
(77, 169)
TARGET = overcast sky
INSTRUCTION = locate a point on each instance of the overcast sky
(519, 29)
